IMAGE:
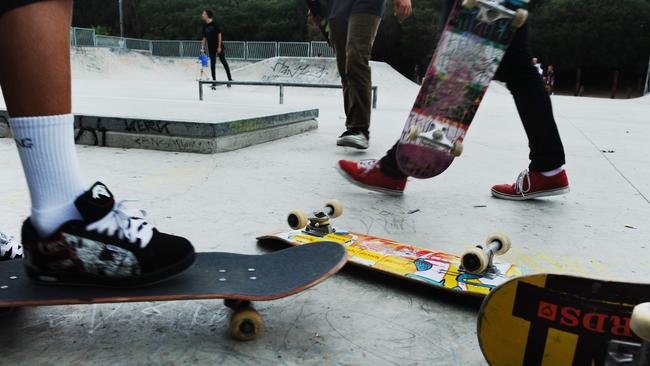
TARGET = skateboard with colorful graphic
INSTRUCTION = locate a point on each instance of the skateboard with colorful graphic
(473, 273)
(469, 52)
(563, 320)
(236, 278)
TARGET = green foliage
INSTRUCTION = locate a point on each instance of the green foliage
(601, 35)
(102, 29)
(253, 20)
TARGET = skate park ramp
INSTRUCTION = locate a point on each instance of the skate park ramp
(129, 99)
(316, 70)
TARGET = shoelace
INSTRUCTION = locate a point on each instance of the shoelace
(522, 179)
(367, 165)
(124, 225)
(8, 244)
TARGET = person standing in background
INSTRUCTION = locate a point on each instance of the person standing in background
(549, 79)
(538, 65)
(212, 38)
(353, 25)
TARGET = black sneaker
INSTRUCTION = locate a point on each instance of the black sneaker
(356, 139)
(108, 247)
(9, 248)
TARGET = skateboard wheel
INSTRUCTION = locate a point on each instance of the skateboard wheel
(469, 3)
(520, 18)
(474, 261)
(501, 238)
(640, 322)
(246, 324)
(335, 208)
(414, 132)
(297, 219)
(457, 149)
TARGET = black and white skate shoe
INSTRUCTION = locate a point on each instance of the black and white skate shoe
(108, 247)
(9, 248)
(351, 138)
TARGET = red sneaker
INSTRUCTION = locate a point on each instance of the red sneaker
(367, 174)
(531, 184)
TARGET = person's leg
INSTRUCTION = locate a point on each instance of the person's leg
(533, 104)
(35, 80)
(224, 63)
(213, 63)
(545, 176)
(72, 236)
(338, 39)
(362, 29)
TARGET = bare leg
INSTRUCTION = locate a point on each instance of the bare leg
(35, 81)
(35, 62)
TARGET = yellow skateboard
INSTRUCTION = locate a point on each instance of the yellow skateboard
(563, 320)
(473, 273)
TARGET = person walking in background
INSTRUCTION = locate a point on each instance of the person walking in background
(538, 65)
(545, 175)
(549, 79)
(212, 38)
(353, 27)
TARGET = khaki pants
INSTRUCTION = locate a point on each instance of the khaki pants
(352, 41)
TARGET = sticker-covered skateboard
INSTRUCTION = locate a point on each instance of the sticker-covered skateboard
(473, 273)
(563, 320)
(237, 278)
(469, 52)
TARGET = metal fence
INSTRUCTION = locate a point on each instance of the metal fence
(237, 50)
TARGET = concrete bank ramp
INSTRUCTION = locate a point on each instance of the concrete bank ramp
(318, 70)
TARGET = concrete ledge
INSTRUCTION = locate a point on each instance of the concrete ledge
(193, 144)
(185, 136)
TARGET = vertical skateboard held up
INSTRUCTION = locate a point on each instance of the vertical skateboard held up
(467, 57)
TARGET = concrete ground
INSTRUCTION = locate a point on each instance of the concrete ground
(222, 202)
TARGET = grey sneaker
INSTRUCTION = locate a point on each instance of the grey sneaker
(355, 139)
(9, 248)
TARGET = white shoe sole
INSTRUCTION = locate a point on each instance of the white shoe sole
(390, 192)
(361, 144)
(548, 193)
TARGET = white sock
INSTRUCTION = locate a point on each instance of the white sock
(46, 148)
(554, 172)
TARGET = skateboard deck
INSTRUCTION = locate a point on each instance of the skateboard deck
(473, 273)
(467, 57)
(238, 278)
(426, 266)
(547, 319)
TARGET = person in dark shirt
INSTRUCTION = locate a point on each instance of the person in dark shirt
(212, 37)
(353, 26)
(545, 175)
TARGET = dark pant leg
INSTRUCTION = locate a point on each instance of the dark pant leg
(533, 104)
(213, 62)
(338, 40)
(224, 63)
(389, 162)
(362, 29)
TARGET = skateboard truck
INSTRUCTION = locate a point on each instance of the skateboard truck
(437, 137)
(319, 222)
(479, 260)
(491, 11)
(628, 353)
